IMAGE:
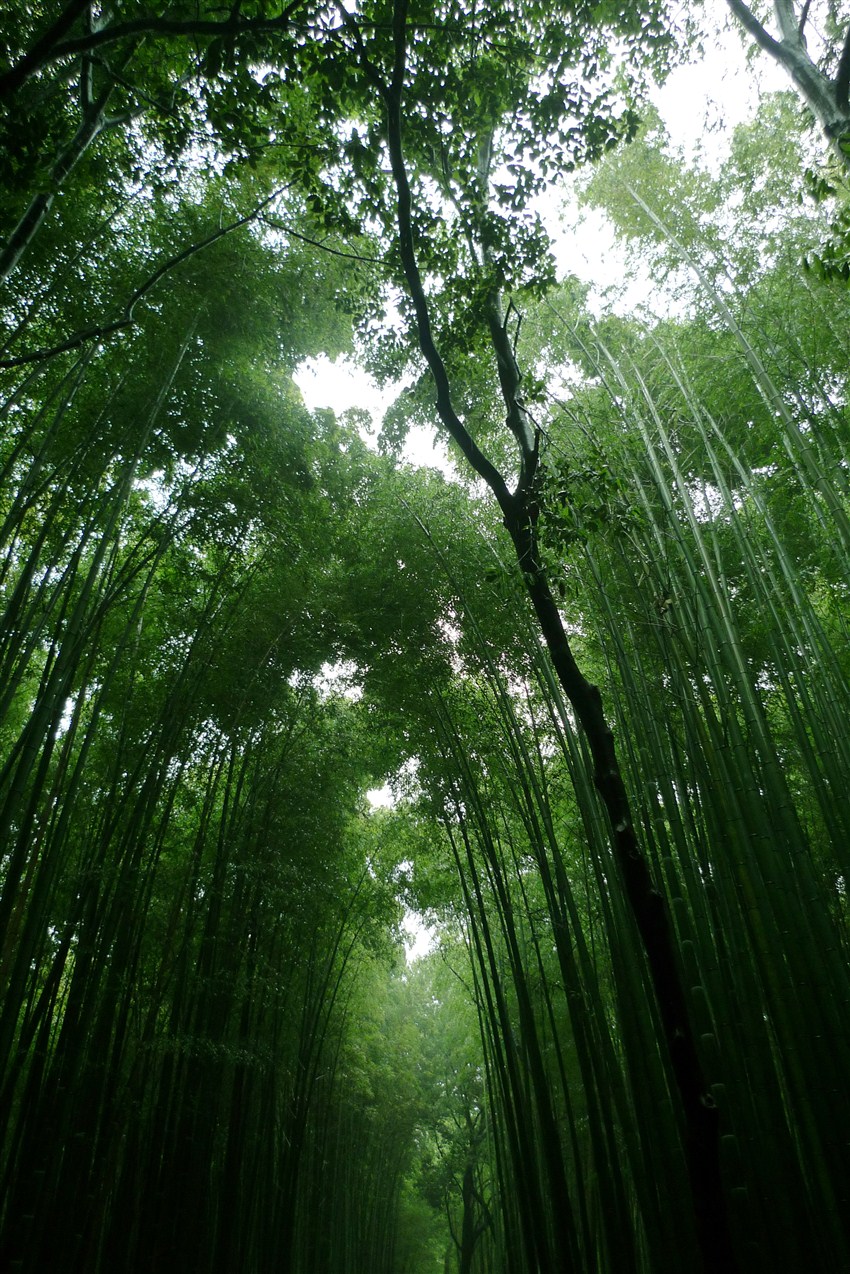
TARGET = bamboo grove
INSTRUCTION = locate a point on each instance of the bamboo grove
(227, 618)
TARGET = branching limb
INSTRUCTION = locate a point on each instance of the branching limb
(392, 97)
(40, 53)
(827, 98)
(787, 19)
(504, 349)
(87, 75)
(842, 76)
(51, 48)
(804, 14)
(750, 22)
(510, 379)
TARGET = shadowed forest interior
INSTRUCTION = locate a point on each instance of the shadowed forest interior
(571, 705)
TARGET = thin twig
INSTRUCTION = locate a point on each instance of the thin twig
(317, 243)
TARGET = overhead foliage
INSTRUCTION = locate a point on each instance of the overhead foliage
(603, 666)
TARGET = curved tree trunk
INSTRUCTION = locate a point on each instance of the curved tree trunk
(519, 509)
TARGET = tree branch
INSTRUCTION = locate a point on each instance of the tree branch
(392, 97)
(87, 76)
(399, 48)
(842, 76)
(40, 53)
(804, 14)
(787, 20)
(46, 51)
(510, 378)
(750, 22)
(827, 98)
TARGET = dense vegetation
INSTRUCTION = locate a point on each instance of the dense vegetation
(602, 661)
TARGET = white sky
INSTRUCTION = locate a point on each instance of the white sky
(419, 936)
(701, 105)
(342, 384)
